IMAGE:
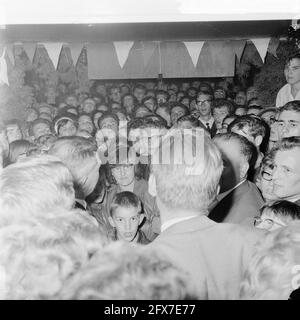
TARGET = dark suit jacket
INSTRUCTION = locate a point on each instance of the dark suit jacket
(213, 129)
(240, 205)
(213, 254)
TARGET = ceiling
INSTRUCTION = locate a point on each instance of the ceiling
(89, 33)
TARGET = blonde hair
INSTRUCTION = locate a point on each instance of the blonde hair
(38, 255)
(129, 272)
(188, 186)
(272, 268)
(34, 185)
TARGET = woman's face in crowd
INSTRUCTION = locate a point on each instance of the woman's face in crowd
(219, 114)
(176, 113)
(128, 102)
(85, 123)
(88, 106)
(123, 174)
(219, 94)
(110, 124)
(240, 98)
(116, 95)
(72, 101)
(67, 130)
(161, 98)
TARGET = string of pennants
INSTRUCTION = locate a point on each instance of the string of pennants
(122, 51)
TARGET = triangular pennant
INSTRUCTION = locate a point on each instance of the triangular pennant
(273, 45)
(261, 46)
(82, 60)
(30, 50)
(75, 51)
(238, 47)
(3, 69)
(194, 49)
(122, 50)
(148, 50)
(10, 52)
(53, 49)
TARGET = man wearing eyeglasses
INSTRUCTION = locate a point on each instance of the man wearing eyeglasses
(286, 172)
(290, 91)
(204, 109)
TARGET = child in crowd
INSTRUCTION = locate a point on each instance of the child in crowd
(126, 217)
(277, 215)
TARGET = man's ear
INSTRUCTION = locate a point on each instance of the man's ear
(152, 185)
(258, 140)
(244, 167)
(111, 221)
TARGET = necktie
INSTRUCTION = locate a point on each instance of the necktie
(207, 126)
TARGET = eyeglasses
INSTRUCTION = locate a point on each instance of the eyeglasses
(268, 222)
(267, 176)
(203, 101)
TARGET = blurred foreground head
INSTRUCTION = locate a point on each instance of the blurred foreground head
(129, 272)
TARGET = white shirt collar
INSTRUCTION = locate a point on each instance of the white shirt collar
(170, 222)
(224, 194)
(210, 121)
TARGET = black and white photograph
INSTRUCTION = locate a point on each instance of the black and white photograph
(149, 150)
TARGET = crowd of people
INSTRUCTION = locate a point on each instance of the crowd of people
(153, 190)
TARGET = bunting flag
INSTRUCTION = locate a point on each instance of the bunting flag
(53, 49)
(3, 69)
(122, 50)
(261, 46)
(82, 71)
(82, 60)
(273, 45)
(194, 49)
(148, 49)
(65, 59)
(238, 47)
(30, 50)
(75, 50)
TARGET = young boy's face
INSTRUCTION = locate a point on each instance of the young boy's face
(126, 221)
